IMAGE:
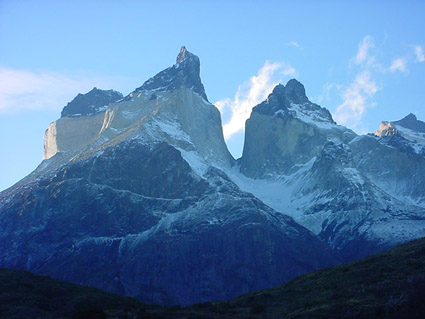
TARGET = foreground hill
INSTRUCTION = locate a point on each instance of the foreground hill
(387, 285)
(25, 295)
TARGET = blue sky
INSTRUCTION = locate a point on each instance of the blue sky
(363, 60)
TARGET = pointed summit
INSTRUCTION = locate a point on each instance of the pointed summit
(411, 122)
(183, 54)
(185, 73)
(295, 92)
(291, 100)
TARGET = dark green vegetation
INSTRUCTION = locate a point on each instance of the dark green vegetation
(387, 285)
(25, 295)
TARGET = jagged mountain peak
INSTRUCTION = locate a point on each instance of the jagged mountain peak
(411, 122)
(290, 100)
(185, 73)
(295, 92)
(407, 134)
(90, 103)
(185, 54)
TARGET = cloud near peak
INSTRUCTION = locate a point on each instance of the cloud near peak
(419, 53)
(355, 103)
(250, 94)
(363, 52)
(399, 64)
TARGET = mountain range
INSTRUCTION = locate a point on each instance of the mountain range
(139, 195)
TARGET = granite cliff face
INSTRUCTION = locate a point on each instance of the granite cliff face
(134, 199)
(286, 131)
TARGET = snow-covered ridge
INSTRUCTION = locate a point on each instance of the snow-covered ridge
(311, 116)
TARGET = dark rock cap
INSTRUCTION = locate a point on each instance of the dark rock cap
(90, 103)
(295, 92)
(283, 96)
(185, 73)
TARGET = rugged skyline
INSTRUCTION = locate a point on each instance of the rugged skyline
(365, 57)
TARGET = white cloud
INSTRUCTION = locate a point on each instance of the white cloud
(363, 55)
(419, 52)
(22, 90)
(398, 64)
(355, 103)
(293, 44)
(250, 94)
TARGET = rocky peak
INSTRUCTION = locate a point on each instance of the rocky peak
(90, 103)
(295, 92)
(407, 134)
(386, 129)
(291, 101)
(185, 73)
(285, 132)
(411, 122)
(183, 54)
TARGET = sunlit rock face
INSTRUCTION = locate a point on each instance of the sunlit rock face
(135, 199)
(70, 134)
(81, 120)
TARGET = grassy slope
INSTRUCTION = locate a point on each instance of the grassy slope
(387, 285)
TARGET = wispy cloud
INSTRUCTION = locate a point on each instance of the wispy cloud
(363, 53)
(250, 94)
(293, 44)
(356, 100)
(419, 53)
(399, 64)
(22, 90)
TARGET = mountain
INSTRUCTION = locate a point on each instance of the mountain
(139, 195)
(389, 285)
(134, 199)
(360, 194)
